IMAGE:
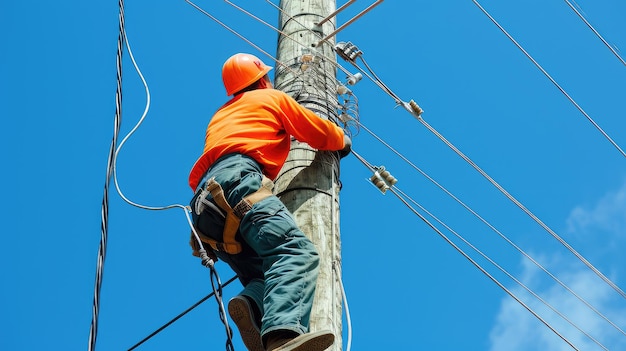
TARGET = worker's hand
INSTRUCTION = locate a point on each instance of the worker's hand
(347, 147)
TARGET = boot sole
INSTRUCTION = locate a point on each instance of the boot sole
(241, 313)
(317, 341)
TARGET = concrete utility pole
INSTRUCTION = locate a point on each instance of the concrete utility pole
(309, 181)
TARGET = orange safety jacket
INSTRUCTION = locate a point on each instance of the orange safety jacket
(259, 124)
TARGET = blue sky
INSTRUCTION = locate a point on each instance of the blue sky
(406, 287)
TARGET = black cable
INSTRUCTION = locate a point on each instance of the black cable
(104, 225)
(180, 315)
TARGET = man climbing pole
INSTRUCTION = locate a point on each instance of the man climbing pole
(239, 219)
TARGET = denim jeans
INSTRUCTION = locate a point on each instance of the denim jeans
(278, 265)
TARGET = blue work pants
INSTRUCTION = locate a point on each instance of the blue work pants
(278, 265)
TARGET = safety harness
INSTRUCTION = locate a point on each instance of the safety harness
(232, 215)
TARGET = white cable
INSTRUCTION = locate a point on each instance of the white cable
(348, 317)
(117, 151)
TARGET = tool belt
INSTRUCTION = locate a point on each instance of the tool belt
(232, 215)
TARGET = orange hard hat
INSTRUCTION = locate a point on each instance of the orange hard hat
(241, 70)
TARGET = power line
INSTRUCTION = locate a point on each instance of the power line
(523, 208)
(596, 125)
(416, 111)
(495, 264)
(402, 198)
(582, 17)
(494, 229)
(180, 315)
(104, 226)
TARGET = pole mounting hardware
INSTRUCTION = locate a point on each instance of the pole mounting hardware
(382, 179)
(343, 26)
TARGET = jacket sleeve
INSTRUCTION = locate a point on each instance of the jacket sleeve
(308, 127)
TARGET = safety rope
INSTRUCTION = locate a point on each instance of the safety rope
(216, 284)
(93, 330)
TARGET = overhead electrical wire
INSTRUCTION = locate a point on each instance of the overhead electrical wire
(180, 315)
(606, 43)
(104, 226)
(417, 115)
(500, 268)
(494, 229)
(525, 210)
(395, 191)
(596, 125)
(504, 237)
(579, 256)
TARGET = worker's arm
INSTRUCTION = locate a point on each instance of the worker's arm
(307, 127)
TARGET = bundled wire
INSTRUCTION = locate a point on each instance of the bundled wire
(93, 330)
(112, 173)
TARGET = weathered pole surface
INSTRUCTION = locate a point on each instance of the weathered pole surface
(309, 182)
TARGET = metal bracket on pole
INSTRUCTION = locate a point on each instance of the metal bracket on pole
(343, 7)
(343, 26)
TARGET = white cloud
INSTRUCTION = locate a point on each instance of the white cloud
(606, 219)
(518, 330)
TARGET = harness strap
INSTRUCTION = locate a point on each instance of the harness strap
(233, 215)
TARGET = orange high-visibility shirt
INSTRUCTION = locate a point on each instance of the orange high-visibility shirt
(259, 124)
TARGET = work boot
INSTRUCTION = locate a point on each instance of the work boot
(241, 312)
(317, 341)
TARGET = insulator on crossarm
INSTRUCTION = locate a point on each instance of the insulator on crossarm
(347, 51)
(352, 80)
(382, 179)
(342, 90)
(379, 182)
(415, 107)
(387, 177)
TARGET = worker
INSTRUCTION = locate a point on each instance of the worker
(243, 224)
